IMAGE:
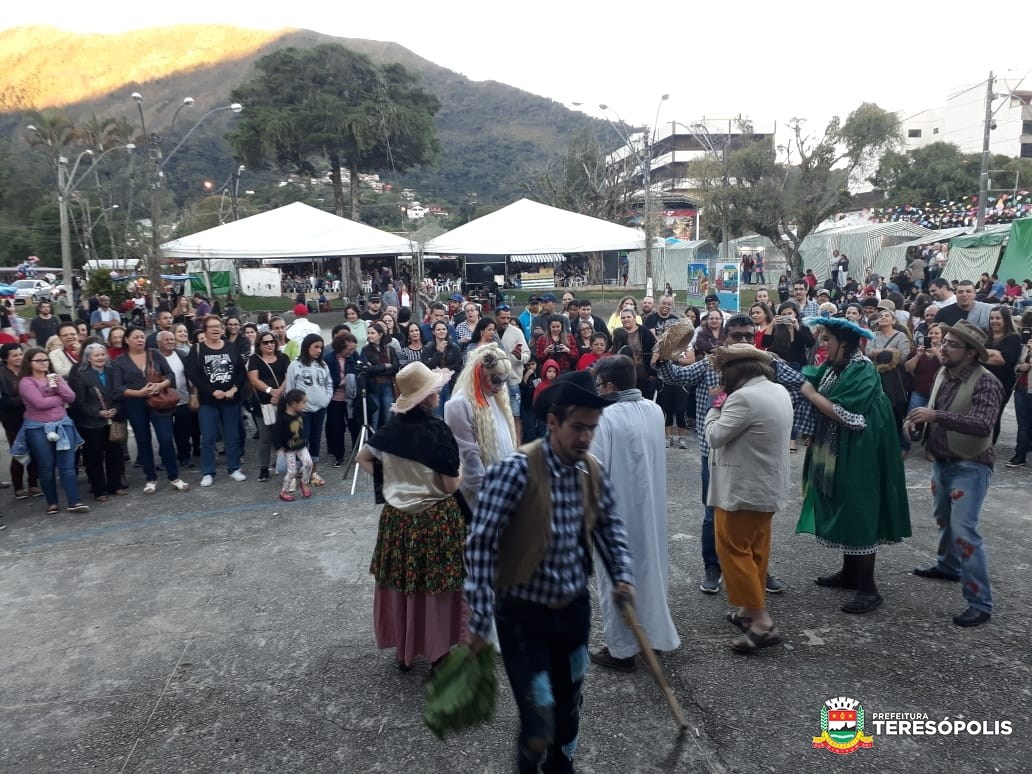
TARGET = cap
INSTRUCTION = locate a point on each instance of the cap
(548, 297)
(300, 310)
(456, 297)
(374, 297)
(824, 292)
(534, 300)
(711, 297)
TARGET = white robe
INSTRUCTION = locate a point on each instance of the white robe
(630, 443)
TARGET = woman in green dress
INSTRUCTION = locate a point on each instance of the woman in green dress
(855, 495)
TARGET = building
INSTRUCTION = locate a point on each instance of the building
(961, 120)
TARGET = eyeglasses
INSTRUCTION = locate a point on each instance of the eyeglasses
(213, 327)
(955, 344)
(497, 381)
(742, 336)
(268, 341)
(503, 308)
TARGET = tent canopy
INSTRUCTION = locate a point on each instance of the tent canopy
(859, 243)
(1017, 261)
(525, 228)
(293, 231)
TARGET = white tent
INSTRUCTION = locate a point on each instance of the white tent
(293, 231)
(525, 227)
(859, 243)
(671, 262)
(895, 256)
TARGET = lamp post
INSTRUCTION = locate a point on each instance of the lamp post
(644, 162)
(67, 183)
(702, 134)
(158, 162)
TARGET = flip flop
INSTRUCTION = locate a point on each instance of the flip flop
(750, 641)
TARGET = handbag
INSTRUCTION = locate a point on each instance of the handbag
(165, 399)
(117, 429)
(268, 410)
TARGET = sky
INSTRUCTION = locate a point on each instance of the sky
(769, 62)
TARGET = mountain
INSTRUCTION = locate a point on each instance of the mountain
(490, 133)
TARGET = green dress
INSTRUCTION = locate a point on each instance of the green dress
(854, 488)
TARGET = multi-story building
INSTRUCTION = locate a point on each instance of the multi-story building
(961, 119)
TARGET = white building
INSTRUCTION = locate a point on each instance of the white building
(960, 120)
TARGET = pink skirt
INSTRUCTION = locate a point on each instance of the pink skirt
(418, 624)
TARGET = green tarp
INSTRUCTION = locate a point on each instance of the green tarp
(1017, 261)
(991, 237)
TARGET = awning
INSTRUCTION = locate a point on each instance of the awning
(539, 258)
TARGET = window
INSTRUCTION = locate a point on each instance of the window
(1026, 150)
(913, 132)
(1026, 127)
(935, 130)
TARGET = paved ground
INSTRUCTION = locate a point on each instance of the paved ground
(224, 631)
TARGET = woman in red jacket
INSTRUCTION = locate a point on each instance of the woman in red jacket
(557, 346)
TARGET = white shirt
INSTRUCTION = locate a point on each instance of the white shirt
(176, 364)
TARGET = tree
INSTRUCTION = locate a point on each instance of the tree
(330, 103)
(784, 193)
(581, 179)
(938, 171)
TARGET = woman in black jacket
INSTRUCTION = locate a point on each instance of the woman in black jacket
(382, 360)
(12, 413)
(442, 352)
(96, 408)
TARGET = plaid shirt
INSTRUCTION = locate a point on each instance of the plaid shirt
(703, 377)
(979, 420)
(810, 309)
(563, 574)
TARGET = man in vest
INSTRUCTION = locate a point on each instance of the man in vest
(528, 558)
(959, 418)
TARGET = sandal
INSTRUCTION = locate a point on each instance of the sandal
(751, 641)
(739, 621)
(305, 490)
(318, 480)
(286, 496)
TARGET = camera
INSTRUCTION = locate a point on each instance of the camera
(919, 339)
(916, 433)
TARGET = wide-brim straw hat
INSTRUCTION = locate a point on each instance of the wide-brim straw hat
(675, 339)
(416, 383)
(971, 335)
(721, 356)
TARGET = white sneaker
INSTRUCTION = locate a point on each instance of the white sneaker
(179, 484)
(207, 480)
(238, 475)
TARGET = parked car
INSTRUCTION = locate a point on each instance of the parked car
(34, 290)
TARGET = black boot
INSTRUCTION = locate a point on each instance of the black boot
(844, 578)
(263, 474)
(867, 597)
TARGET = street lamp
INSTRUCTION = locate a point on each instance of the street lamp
(702, 134)
(644, 162)
(158, 162)
(67, 182)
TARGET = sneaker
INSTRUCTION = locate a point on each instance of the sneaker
(207, 480)
(339, 462)
(773, 585)
(179, 484)
(711, 583)
(1015, 461)
(670, 442)
(79, 508)
(683, 442)
(263, 474)
(238, 475)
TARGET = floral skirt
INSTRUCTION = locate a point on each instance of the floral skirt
(420, 552)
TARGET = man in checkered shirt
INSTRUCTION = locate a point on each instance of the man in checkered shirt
(704, 378)
(528, 559)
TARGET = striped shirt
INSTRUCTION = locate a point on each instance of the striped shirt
(563, 574)
(704, 378)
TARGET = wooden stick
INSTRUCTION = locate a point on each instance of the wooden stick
(649, 657)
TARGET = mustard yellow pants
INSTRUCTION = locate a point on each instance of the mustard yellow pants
(743, 547)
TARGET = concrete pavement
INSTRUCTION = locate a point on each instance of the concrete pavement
(222, 630)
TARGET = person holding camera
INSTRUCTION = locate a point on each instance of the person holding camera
(557, 345)
(1022, 394)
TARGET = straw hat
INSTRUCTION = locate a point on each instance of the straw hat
(416, 382)
(971, 335)
(721, 356)
(675, 339)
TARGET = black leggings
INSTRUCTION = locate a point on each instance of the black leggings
(674, 402)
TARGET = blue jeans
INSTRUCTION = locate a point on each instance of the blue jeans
(709, 538)
(314, 423)
(958, 491)
(1023, 413)
(917, 400)
(225, 416)
(53, 464)
(546, 656)
(381, 396)
(514, 401)
(141, 418)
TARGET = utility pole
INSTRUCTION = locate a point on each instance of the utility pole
(983, 178)
(66, 237)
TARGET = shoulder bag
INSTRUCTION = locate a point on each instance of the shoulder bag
(268, 410)
(167, 398)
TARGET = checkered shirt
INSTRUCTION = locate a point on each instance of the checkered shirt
(703, 377)
(563, 574)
